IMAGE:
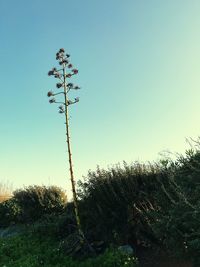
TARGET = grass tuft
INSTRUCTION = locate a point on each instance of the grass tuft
(5, 191)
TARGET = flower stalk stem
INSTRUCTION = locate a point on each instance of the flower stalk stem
(75, 200)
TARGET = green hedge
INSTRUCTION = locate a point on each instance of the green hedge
(32, 203)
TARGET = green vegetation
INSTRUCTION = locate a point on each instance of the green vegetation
(32, 203)
(151, 205)
(36, 201)
(10, 212)
(34, 251)
(148, 206)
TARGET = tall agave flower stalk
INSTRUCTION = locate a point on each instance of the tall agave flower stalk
(65, 72)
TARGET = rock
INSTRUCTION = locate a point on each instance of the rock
(126, 249)
(10, 231)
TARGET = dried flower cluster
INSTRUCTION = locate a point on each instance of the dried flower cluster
(66, 71)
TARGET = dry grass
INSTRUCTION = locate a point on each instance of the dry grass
(5, 191)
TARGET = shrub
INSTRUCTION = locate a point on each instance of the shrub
(188, 174)
(10, 212)
(179, 230)
(111, 199)
(148, 204)
(177, 224)
(36, 201)
(58, 226)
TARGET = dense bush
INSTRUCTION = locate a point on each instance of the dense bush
(179, 230)
(36, 201)
(10, 212)
(146, 204)
(188, 174)
(32, 203)
(111, 199)
(59, 226)
(178, 223)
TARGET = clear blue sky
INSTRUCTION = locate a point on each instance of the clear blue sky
(139, 64)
